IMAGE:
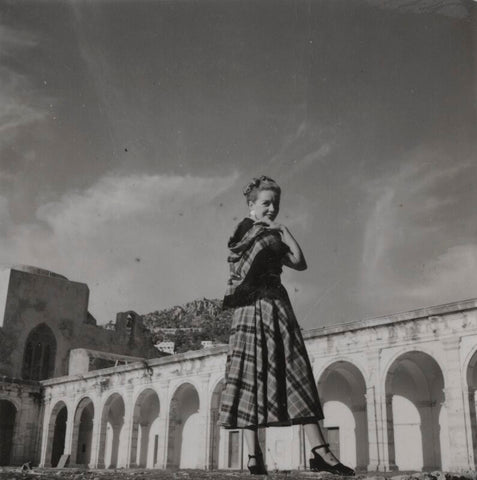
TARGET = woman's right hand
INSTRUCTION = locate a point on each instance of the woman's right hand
(272, 225)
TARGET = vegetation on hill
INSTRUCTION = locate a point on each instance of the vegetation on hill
(187, 325)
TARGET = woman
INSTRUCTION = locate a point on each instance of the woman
(268, 379)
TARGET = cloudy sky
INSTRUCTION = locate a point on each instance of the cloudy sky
(128, 128)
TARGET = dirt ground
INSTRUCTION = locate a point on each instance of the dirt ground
(11, 473)
(15, 473)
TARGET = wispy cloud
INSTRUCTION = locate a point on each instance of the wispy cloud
(17, 106)
(12, 39)
(117, 198)
(304, 148)
(414, 252)
(139, 241)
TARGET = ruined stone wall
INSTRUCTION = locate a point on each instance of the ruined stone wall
(35, 299)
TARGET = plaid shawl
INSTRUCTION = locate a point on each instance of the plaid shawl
(244, 252)
(268, 376)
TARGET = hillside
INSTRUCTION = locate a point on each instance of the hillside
(187, 325)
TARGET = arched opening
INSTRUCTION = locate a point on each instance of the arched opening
(8, 413)
(59, 436)
(39, 354)
(55, 443)
(214, 429)
(414, 400)
(342, 391)
(145, 434)
(83, 432)
(472, 384)
(112, 436)
(184, 432)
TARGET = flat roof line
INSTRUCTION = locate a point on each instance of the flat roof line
(434, 311)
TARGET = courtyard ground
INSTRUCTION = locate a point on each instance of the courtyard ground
(16, 473)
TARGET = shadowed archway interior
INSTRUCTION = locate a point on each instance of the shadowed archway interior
(8, 414)
(145, 437)
(59, 435)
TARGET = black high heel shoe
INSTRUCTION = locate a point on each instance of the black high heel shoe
(318, 464)
(259, 467)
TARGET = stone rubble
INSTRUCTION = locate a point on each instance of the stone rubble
(17, 473)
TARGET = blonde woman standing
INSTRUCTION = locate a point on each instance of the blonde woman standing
(268, 380)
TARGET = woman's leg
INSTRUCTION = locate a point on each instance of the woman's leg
(316, 438)
(319, 445)
(251, 439)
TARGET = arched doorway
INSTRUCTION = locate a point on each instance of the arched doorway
(472, 384)
(145, 435)
(39, 354)
(342, 391)
(112, 436)
(414, 402)
(83, 432)
(183, 435)
(55, 443)
(8, 414)
(214, 428)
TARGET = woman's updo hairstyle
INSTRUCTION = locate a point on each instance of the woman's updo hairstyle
(257, 185)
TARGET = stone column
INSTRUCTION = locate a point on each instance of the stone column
(70, 425)
(162, 443)
(460, 453)
(144, 444)
(44, 462)
(373, 414)
(164, 415)
(470, 413)
(375, 430)
(389, 452)
(172, 435)
(134, 444)
(214, 439)
(204, 422)
(96, 461)
(115, 453)
(20, 438)
(360, 434)
(124, 455)
(379, 414)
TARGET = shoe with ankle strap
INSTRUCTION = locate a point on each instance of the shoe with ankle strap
(318, 464)
(259, 467)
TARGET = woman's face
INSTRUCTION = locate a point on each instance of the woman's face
(266, 205)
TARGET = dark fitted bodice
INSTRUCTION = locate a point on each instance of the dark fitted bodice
(263, 278)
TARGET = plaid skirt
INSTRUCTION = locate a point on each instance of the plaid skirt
(268, 376)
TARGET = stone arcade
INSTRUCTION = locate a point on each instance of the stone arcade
(398, 392)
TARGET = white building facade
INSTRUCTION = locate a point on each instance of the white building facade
(398, 392)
